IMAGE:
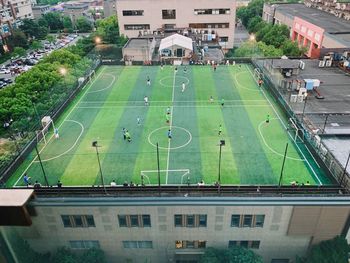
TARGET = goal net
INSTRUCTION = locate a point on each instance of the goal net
(296, 133)
(48, 128)
(257, 74)
(91, 75)
(168, 177)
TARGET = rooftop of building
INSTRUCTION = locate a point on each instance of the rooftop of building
(329, 22)
(138, 43)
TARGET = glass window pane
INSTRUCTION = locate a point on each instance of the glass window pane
(235, 219)
(247, 220)
(134, 220)
(259, 220)
(189, 244)
(91, 244)
(66, 221)
(122, 220)
(202, 244)
(90, 221)
(78, 221)
(76, 244)
(190, 221)
(244, 244)
(145, 244)
(202, 220)
(146, 220)
(255, 244)
(178, 220)
(232, 243)
(130, 244)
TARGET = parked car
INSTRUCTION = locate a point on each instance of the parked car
(5, 71)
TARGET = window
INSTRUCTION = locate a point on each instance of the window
(137, 244)
(235, 220)
(190, 220)
(179, 244)
(247, 220)
(133, 12)
(221, 11)
(146, 220)
(169, 14)
(203, 220)
(259, 220)
(178, 220)
(78, 220)
(209, 25)
(122, 221)
(223, 39)
(254, 244)
(134, 220)
(84, 244)
(137, 27)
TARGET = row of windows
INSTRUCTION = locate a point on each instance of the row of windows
(132, 12)
(220, 11)
(179, 244)
(253, 244)
(247, 220)
(134, 220)
(190, 220)
(137, 27)
(78, 220)
(171, 13)
(209, 25)
(199, 220)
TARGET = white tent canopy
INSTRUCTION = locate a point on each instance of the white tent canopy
(176, 40)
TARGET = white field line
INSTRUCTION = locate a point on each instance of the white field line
(170, 125)
(280, 119)
(162, 106)
(165, 101)
(69, 113)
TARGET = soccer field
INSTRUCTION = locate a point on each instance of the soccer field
(253, 153)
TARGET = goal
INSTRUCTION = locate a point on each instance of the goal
(91, 75)
(48, 127)
(172, 177)
(294, 131)
(257, 74)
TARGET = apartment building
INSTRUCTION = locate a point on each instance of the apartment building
(12, 12)
(311, 28)
(176, 227)
(214, 19)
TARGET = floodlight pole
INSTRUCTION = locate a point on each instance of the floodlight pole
(303, 113)
(325, 123)
(41, 165)
(344, 172)
(222, 143)
(94, 144)
(158, 166)
(284, 160)
(36, 112)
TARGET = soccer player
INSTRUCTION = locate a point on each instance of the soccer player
(169, 134)
(145, 99)
(138, 121)
(55, 131)
(161, 66)
(26, 179)
(167, 118)
(267, 118)
(128, 136)
(185, 70)
(168, 110)
(183, 86)
(124, 133)
(220, 130)
(260, 82)
(176, 69)
(222, 102)
(148, 81)
(211, 99)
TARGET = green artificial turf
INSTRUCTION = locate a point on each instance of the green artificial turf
(253, 151)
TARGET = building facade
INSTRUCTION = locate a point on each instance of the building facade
(179, 228)
(40, 10)
(211, 18)
(311, 28)
(12, 12)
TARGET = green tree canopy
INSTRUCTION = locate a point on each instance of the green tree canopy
(18, 39)
(83, 24)
(19, 51)
(231, 255)
(67, 24)
(53, 21)
(32, 29)
(108, 29)
(36, 45)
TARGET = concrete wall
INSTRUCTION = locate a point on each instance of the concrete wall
(184, 15)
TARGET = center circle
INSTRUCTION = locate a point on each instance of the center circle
(176, 134)
(168, 81)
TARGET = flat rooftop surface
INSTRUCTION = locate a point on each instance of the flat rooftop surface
(328, 22)
(225, 105)
(340, 147)
(138, 43)
(13, 197)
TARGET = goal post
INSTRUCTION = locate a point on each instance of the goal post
(48, 127)
(295, 131)
(257, 75)
(177, 176)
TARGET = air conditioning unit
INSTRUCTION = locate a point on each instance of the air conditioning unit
(321, 63)
(196, 12)
(328, 63)
(302, 64)
(300, 98)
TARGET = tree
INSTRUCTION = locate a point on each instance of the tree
(19, 51)
(291, 48)
(276, 35)
(93, 255)
(247, 49)
(83, 24)
(54, 21)
(51, 38)
(36, 45)
(252, 23)
(32, 29)
(64, 255)
(108, 29)
(269, 50)
(232, 255)
(330, 251)
(18, 39)
(67, 24)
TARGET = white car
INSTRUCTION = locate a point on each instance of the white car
(4, 71)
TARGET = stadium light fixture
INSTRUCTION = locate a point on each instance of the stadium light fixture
(63, 71)
(252, 37)
(98, 40)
